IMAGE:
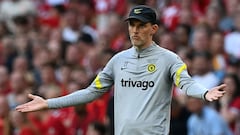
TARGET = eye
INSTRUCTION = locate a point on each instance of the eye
(131, 23)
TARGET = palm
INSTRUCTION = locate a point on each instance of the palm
(215, 93)
(37, 103)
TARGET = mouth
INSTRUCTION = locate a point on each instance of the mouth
(135, 37)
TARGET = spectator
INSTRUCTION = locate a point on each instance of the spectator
(56, 51)
(186, 17)
(4, 81)
(48, 77)
(4, 31)
(115, 33)
(227, 22)
(219, 57)
(8, 52)
(21, 124)
(96, 128)
(233, 65)
(232, 40)
(230, 103)
(217, 50)
(19, 88)
(73, 86)
(63, 76)
(78, 120)
(21, 64)
(73, 56)
(201, 70)
(85, 8)
(182, 34)
(50, 12)
(40, 58)
(13, 8)
(71, 31)
(80, 76)
(21, 24)
(86, 46)
(92, 63)
(170, 15)
(200, 39)
(23, 46)
(5, 125)
(168, 41)
(205, 120)
(213, 16)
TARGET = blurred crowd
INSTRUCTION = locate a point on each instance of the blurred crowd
(54, 47)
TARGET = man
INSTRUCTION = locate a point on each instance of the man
(142, 76)
(207, 119)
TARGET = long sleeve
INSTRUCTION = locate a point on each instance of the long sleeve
(99, 86)
(184, 81)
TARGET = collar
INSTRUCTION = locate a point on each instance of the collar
(144, 52)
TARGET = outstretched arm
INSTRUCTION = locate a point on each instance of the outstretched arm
(75, 98)
(215, 93)
(99, 86)
(191, 88)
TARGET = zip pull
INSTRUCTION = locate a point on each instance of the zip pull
(138, 56)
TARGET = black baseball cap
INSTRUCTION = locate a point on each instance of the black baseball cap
(143, 13)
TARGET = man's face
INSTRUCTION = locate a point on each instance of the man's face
(200, 65)
(141, 33)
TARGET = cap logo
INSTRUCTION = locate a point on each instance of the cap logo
(137, 11)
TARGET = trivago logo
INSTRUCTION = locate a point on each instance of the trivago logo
(140, 84)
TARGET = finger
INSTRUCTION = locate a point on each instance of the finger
(210, 100)
(31, 96)
(25, 109)
(215, 98)
(219, 94)
(221, 87)
(24, 105)
(20, 107)
(222, 92)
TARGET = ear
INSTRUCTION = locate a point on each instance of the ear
(154, 29)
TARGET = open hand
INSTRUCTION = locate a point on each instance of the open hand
(215, 93)
(37, 103)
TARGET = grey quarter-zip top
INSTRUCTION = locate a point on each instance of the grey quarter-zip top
(143, 81)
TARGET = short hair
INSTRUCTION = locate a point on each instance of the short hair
(205, 54)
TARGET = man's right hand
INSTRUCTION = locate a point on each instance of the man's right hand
(37, 103)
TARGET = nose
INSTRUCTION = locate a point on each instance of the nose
(135, 29)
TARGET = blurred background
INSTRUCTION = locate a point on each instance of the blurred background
(55, 47)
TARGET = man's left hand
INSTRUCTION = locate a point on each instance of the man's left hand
(215, 93)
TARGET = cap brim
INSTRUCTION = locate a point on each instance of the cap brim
(140, 18)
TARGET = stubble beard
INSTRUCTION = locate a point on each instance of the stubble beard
(138, 44)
